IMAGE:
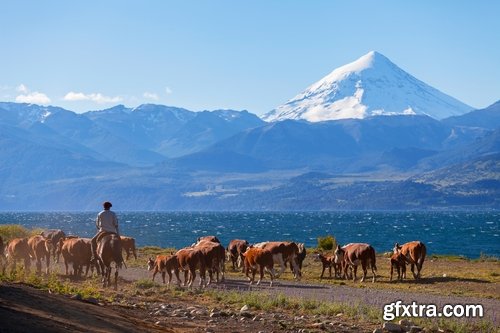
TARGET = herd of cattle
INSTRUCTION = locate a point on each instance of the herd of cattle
(206, 255)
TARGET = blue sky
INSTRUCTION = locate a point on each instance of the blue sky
(254, 55)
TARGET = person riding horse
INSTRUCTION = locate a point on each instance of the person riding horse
(106, 222)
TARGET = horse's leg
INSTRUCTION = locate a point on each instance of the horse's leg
(116, 277)
(322, 272)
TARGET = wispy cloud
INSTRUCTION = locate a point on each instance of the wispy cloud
(22, 89)
(150, 95)
(168, 91)
(27, 96)
(94, 97)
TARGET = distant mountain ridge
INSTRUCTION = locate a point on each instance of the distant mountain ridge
(372, 85)
(165, 158)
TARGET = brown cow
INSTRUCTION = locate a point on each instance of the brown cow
(283, 252)
(208, 238)
(40, 248)
(398, 261)
(190, 259)
(257, 258)
(235, 251)
(55, 235)
(165, 264)
(128, 245)
(75, 251)
(414, 253)
(215, 257)
(18, 249)
(354, 254)
(327, 262)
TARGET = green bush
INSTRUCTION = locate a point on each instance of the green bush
(11, 231)
(327, 243)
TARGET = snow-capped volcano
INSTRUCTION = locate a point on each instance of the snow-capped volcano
(369, 86)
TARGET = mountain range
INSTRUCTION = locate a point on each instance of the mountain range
(412, 148)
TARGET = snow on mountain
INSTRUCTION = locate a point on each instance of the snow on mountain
(369, 86)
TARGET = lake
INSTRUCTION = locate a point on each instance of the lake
(459, 233)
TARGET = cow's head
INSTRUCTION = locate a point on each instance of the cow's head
(339, 254)
(397, 248)
(151, 264)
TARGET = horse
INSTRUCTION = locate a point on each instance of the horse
(414, 253)
(109, 250)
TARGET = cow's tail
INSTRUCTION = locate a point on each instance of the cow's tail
(373, 260)
(420, 261)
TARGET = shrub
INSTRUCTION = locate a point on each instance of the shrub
(11, 231)
(327, 243)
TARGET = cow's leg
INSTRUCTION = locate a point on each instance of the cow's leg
(163, 276)
(419, 268)
(128, 253)
(392, 270)
(169, 272)
(261, 272)
(413, 271)
(176, 272)
(135, 253)
(247, 271)
(192, 276)
(330, 271)
(202, 277)
(254, 271)
(354, 276)
(271, 272)
(322, 272)
(364, 268)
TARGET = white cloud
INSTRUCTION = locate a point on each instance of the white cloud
(22, 89)
(168, 91)
(33, 98)
(94, 97)
(152, 96)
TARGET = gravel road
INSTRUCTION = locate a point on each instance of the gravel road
(343, 294)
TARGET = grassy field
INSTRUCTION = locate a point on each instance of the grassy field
(441, 275)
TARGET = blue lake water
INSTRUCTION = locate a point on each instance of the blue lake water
(460, 233)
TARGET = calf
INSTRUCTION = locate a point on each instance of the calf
(128, 245)
(398, 261)
(18, 249)
(235, 251)
(354, 254)
(256, 258)
(414, 253)
(165, 264)
(190, 259)
(327, 262)
(40, 248)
